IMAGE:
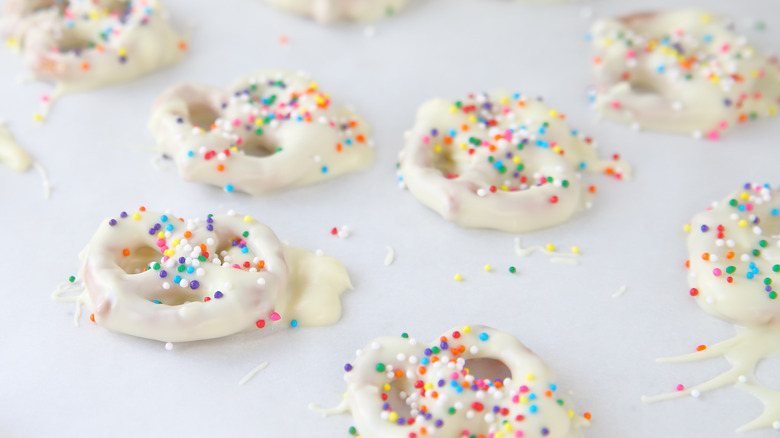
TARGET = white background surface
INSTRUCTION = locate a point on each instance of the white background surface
(59, 380)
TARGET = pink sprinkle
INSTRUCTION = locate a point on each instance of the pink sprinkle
(723, 125)
(680, 387)
(516, 399)
(615, 104)
(713, 135)
(519, 434)
(251, 118)
(630, 54)
(236, 122)
(45, 98)
(237, 266)
(275, 317)
(160, 242)
(749, 207)
(239, 141)
(426, 139)
(725, 47)
(523, 389)
(716, 272)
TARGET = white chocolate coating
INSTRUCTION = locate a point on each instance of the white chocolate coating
(735, 257)
(498, 160)
(684, 71)
(11, 154)
(155, 276)
(329, 11)
(268, 131)
(67, 43)
(397, 387)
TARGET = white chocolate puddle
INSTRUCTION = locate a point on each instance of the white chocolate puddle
(472, 381)
(329, 11)
(500, 160)
(685, 71)
(155, 276)
(734, 251)
(268, 131)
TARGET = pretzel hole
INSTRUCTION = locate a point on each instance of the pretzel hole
(396, 401)
(202, 114)
(138, 259)
(41, 5)
(486, 368)
(259, 145)
(72, 40)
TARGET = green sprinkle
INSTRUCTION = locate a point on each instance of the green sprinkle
(380, 367)
(72, 278)
(405, 335)
(512, 269)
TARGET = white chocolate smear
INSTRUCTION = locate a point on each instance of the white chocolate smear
(11, 154)
(734, 250)
(683, 71)
(156, 276)
(499, 160)
(621, 290)
(329, 11)
(500, 380)
(268, 131)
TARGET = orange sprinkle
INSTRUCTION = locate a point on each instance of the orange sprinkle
(125, 252)
(339, 147)
(188, 234)
(609, 171)
(421, 370)
(220, 167)
(142, 208)
(701, 348)
(183, 45)
(548, 393)
(687, 263)
(597, 60)
(352, 124)
(447, 140)
(521, 103)
(498, 384)
(730, 255)
(592, 189)
(705, 256)
(92, 317)
(587, 415)
(261, 264)
(399, 374)
(85, 66)
(203, 247)
(100, 48)
(360, 138)
(464, 127)
(283, 39)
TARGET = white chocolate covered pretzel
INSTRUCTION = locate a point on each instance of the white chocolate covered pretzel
(684, 71)
(84, 44)
(499, 160)
(328, 11)
(268, 131)
(156, 276)
(473, 381)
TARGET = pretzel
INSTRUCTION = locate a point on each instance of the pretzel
(156, 276)
(499, 160)
(474, 381)
(683, 71)
(735, 259)
(268, 131)
(85, 44)
(328, 11)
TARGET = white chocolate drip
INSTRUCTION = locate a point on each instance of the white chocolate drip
(329, 11)
(11, 154)
(269, 131)
(499, 160)
(251, 374)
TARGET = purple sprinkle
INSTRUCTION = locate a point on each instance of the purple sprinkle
(441, 383)
(444, 345)
(151, 231)
(210, 220)
(348, 367)
(182, 259)
(545, 431)
(194, 284)
(439, 423)
(386, 407)
(123, 214)
(163, 274)
(112, 222)
(179, 120)
(428, 352)
(157, 226)
(496, 409)
(217, 294)
(704, 228)
(434, 132)
(210, 227)
(401, 421)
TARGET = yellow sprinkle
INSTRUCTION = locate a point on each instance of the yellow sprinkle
(607, 42)
(550, 247)
(498, 434)
(37, 117)
(175, 243)
(161, 235)
(472, 118)
(571, 413)
(233, 148)
(428, 386)
(706, 18)
(504, 100)
(458, 277)
(437, 149)
(517, 160)
(557, 149)
(772, 110)
(464, 146)
(314, 85)
(523, 399)
(122, 51)
(93, 15)
(504, 188)
(393, 417)
(466, 329)
(742, 223)
(488, 268)
(553, 113)
(259, 122)
(386, 387)
(453, 109)
(247, 218)
(136, 216)
(575, 249)
(11, 42)
(530, 377)
(687, 228)
(744, 196)
(508, 427)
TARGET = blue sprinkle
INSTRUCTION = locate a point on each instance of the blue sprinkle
(483, 336)
(294, 323)
(177, 279)
(229, 188)
(533, 409)
(164, 218)
(324, 169)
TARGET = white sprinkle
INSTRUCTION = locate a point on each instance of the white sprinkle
(390, 257)
(776, 425)
(252, 373)
(695, 393)
(742, 379)
(168, 346)
(319, 252)
(261, 281)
